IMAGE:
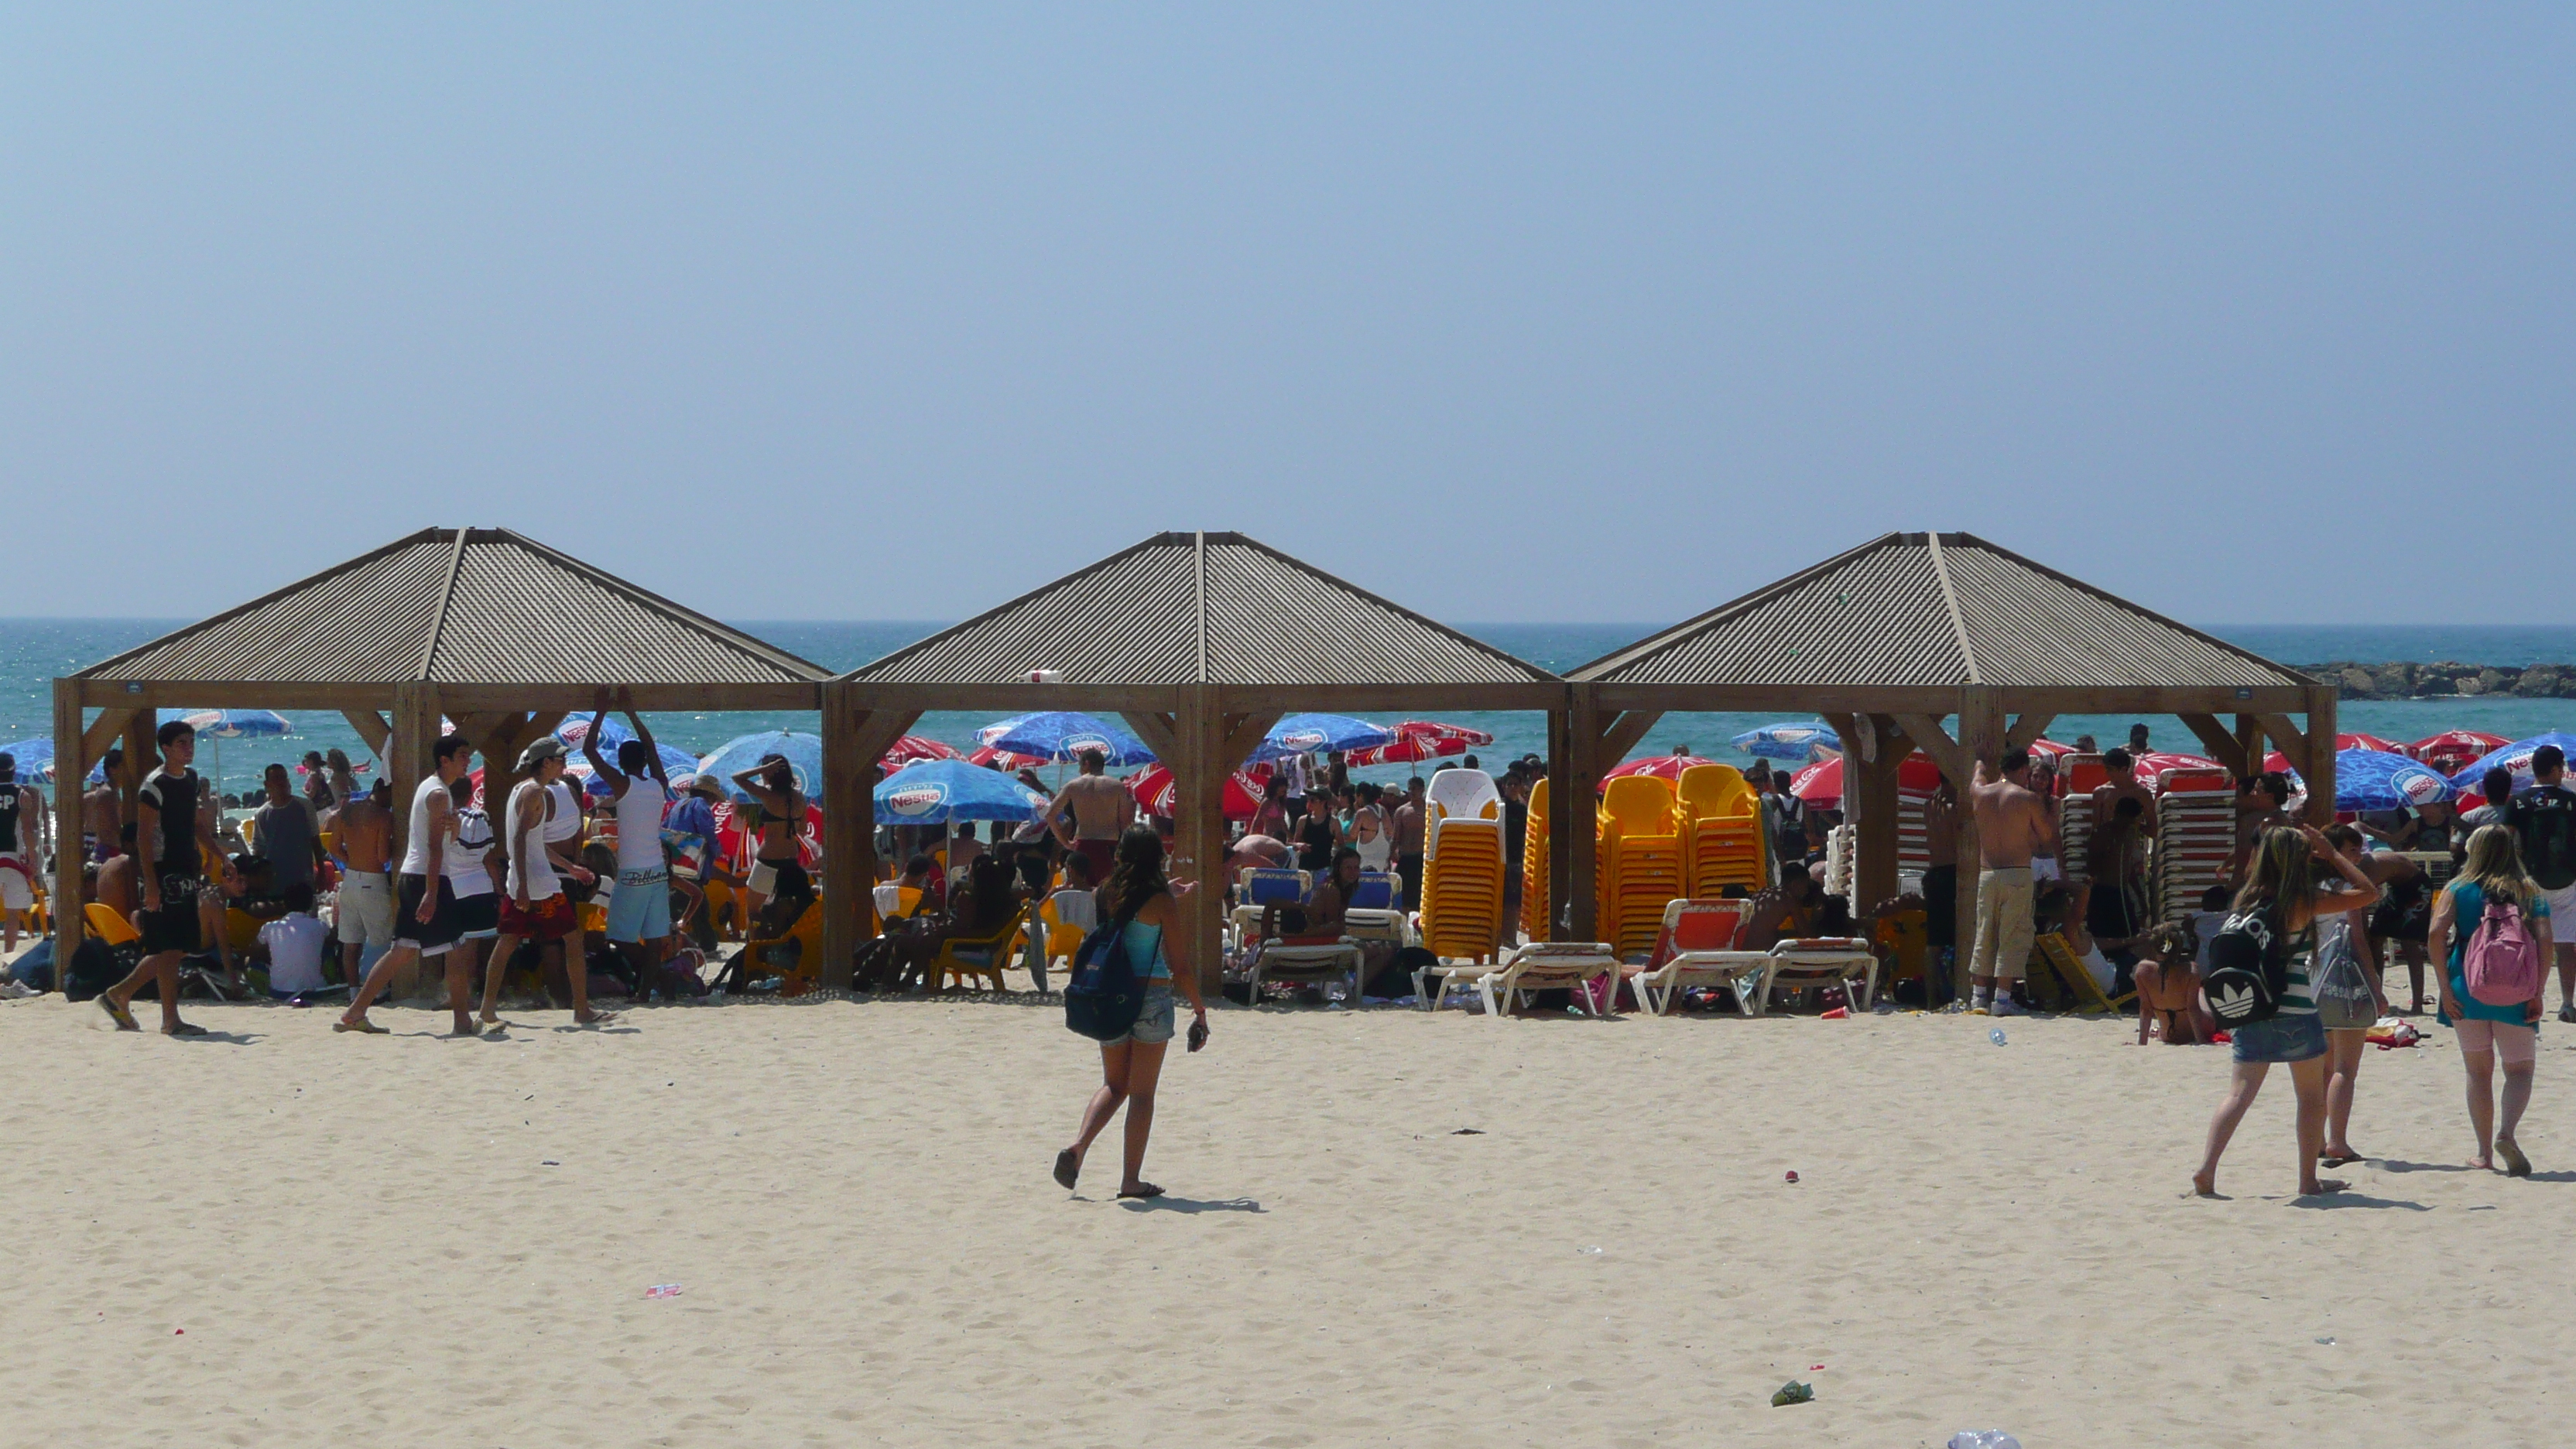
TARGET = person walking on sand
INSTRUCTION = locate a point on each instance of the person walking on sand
(1091, 812)
(174, 836)
(2543, 819)
(2283, 887)
(424, 901)
(2012, 826)
(472, 856)
(2349, 993)
(2493, 881)
(536, 908)
(1155, 936)
(363, 842)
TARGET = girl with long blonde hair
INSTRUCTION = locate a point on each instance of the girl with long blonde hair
(2491, 876)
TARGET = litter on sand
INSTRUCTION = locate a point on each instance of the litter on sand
(663, 1290)
(1794, 1392)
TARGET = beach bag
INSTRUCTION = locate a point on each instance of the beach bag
(1107, 992)
(2249, 970)
(2342, 991)
(2502, 963)
(96, 966)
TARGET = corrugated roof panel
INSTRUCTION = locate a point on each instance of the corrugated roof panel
(1135, 618)
(1877, 615)
(518, 613)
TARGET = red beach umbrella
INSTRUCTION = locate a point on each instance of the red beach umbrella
(2451, 749)
(1153, 790)
(1662, 767)
(1822, 782)
(1421, 739)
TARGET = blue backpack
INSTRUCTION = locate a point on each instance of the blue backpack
(1106, 992)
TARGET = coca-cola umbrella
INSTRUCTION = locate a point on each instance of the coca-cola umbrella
(1822, 782)
(1154, 791)
(1420, 739)
(988, 757)
(2152, 765)
(1662, 767)
(2373, 743)
(911, 748)
(2451, 749)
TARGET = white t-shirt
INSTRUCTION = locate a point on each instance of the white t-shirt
(639, 824)
(294, 952)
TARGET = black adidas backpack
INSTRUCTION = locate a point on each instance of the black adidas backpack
(2249, 969)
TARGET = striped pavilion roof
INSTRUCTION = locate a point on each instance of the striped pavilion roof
(1936, 609)
(460, 606)
(1217, 608)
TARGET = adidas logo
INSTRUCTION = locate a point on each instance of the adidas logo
(2229, 1003)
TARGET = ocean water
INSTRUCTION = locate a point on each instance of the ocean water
(34, 651)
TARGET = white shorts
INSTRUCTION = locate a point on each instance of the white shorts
(2562, 914)
(16, 892)
(366, 909)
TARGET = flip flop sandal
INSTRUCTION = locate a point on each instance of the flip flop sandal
(2515, 1164)
(368, 1028)
(1067, 1168)
(185, 1028)
(122, 1016)
(1144, 1189)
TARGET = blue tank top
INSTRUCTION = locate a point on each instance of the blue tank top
(1147, 947)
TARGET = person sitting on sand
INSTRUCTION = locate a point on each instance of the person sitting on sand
(2295, 876)
(2169, 990)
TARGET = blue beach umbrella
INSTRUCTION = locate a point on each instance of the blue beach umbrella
(1062, 735)
(1308, 734)
(232, 724)
(941, 791)
(35, 760)
(804, 756)
(2515, 757)
(1789, 740)
(2376, 780)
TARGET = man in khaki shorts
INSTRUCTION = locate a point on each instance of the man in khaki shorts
(2012, 826)
(365, 920)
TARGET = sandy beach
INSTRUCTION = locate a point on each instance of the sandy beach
(282, 1236)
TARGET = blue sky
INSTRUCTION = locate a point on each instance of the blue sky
(1575, 313)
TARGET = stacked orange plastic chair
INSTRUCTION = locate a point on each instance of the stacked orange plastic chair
(1642, 864)
(1722, 831)
(1537, 911)
(1462, 867)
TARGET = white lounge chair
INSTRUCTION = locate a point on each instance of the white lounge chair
(1697, 948)
(1820, 961)
(1277, 960)
(1548, 966)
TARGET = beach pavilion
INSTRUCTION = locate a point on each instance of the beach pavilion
(492, 629)
(1890, 640)
(1199, 642)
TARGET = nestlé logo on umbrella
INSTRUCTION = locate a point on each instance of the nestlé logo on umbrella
(917, 799)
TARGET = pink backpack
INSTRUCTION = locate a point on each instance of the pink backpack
(2502, 964)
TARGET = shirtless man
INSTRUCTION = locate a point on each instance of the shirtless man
(2012, 826)
(176, 837)
(1408, 841)
(103, 813)
(118, 886)
(1091, 812)
(363, 844)
(2123, 769)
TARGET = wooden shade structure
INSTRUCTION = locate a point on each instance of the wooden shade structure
(1888, 641)
(1200, 642)
(486, 626)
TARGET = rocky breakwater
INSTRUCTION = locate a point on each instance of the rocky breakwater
(2447, 680)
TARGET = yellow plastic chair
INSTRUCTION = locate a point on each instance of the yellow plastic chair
(956, 955)
(1062, 940)
(807, 933)
(108, 926)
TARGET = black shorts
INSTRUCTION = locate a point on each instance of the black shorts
(439, 932)
(174, 926)
(789, 879)
(478, 917)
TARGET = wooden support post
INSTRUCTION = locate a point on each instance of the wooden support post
(1574, 813)
(1199, 826)
(406, 753)
(94, 740)
(2320, 742)
(2223, 747)
(1620, 735)
(71, 767)
(2294, 742)
(2249, 742)
(1560, 812)
(1159, 732)
(2026, 727)
(1873, 751)
(854, 740)
(371, 727)
(142, 757)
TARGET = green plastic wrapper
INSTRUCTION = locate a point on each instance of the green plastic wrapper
(1793, 1392)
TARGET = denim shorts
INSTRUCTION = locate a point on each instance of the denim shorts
(1154, 1023)
(2291, 1038)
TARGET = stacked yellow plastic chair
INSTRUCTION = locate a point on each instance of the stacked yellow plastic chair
(1722, 831)
(1537, 911)
(1462, 867)
(1642, 864)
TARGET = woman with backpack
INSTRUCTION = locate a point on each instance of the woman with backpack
(1139, 902)
(2284, 896)
(2491, 929)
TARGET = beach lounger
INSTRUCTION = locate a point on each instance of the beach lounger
(1697, 948)
(1259, 886)
(1819, 961)
(1550, 966)
(1304, 959)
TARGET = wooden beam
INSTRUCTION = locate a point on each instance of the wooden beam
(1953, 758)
(1560, 852)
(371, 727)
(2320, 742)
(854, 740)
(405, 752)
(2293, 742)
(1159, 733)
(68, 743)
(1574, 807)
(222, 694)
(1199, 827)
(2030, 726)
(142, 757)
(1870, 807)
(1620, 734)
(565, 698)
(1372, 698)
(2249, 742)
(2223, 747)
(1243, 734)
(1094, 698)
(94, 741)
(1773, 698)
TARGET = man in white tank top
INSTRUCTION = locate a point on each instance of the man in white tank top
(535, 908)
(639, 914)
(424, 904)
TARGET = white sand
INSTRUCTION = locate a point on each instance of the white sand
(362, 1243)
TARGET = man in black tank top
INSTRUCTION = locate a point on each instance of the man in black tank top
(174, 839)
(22, 812)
